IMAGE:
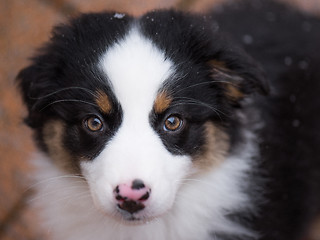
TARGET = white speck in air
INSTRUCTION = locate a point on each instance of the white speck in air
(119, 15)
(247, 39)
(288, 61)
(295, 123)
(303, 64)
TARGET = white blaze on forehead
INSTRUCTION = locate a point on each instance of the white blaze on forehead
(136, 69)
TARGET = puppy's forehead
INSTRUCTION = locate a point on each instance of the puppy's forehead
(136, 69)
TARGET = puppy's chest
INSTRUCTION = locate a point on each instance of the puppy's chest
(199, 212)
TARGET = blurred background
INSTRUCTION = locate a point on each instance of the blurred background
(24, 25)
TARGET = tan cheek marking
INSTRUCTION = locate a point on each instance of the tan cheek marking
(162, 102)
(103, 102)
(53, 138)
(215, 149)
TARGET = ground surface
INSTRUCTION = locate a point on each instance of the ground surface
(24, 24)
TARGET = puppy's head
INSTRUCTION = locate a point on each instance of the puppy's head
(136, 105)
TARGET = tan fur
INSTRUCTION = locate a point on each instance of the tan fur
(53, 138)
(218, 64)
(232, 89)
(162, 102)
(215, 148)
(233, 92)
(103, 102)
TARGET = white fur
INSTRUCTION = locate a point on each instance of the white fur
(136, 70)
(182, 206)
(199, 209)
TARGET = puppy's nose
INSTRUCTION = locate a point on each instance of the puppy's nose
(137, 184)
(131, 197)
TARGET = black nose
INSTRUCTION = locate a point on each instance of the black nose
(132, 197)
(131, 206)
(137, 184)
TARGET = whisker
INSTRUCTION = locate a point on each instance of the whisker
(194, 85)
(54, 179)
(204, 83)
(199, 103)
(48, 193)
(68, 100)
(64, 89)
(187, 180)
(76, 197)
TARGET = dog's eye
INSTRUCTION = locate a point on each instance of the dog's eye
(94, 124)
(172, 123)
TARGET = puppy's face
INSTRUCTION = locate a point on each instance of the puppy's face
(135, 106)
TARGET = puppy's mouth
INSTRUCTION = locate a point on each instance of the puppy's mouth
(133, 212)
(131, 217)
(130, 206)
(136, 218)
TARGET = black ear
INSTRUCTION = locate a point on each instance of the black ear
(27, 85)
(34, 84)
(238, 73)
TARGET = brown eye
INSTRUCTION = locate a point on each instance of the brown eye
(172, 123)
(94, 124)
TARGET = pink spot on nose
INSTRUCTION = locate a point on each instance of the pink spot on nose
(131, 198)
(133, 194)
(136, 191)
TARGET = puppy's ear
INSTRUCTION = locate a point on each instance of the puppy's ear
(238, 73)
(25, 80)
(33, 86)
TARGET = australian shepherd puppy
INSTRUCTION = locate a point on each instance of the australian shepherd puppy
(173, 126)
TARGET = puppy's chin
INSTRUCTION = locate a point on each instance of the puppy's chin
(132, 220)
(145, 216)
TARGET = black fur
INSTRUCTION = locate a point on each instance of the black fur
(284, 42)
(258, 41)
(61, 82)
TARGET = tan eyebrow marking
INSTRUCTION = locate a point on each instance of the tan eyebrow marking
(162, 102)
(103, 101)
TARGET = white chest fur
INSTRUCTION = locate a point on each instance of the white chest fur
(67, 210)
